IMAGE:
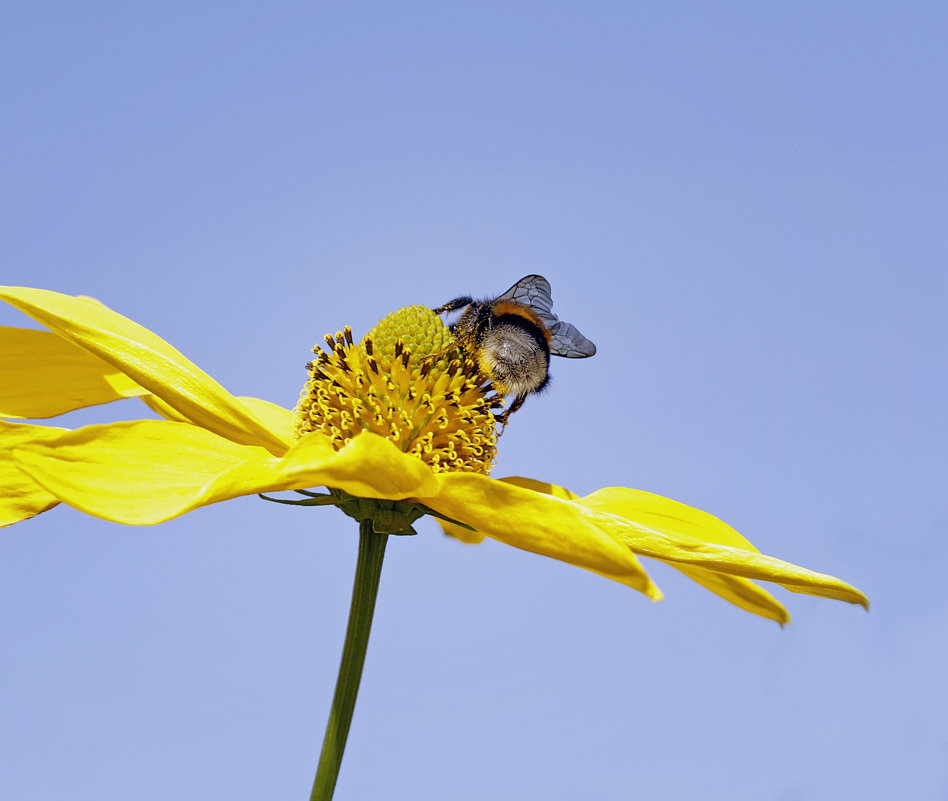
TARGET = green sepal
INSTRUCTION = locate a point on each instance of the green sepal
(314, 499)
(388, 517)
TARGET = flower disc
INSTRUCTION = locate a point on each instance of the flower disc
(408, 381)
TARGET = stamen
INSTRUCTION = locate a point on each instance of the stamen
(407, 380)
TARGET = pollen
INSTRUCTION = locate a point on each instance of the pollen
(408, 381)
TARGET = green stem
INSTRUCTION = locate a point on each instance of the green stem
(364, 591)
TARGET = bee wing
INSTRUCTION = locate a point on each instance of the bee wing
(534, 291)
(567, 341)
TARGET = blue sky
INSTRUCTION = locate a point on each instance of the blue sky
(742, 204)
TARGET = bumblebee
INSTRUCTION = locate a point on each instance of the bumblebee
(512, 336)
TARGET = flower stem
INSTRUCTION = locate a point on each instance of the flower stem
(364, 591)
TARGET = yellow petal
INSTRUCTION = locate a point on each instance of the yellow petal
(370, 466)
(473, 537)
(274, 417)
(131, 472)
(43, 375)
(21, 497)
(541, 486)
(656, 511)
(664, 529)
(147, 471)
(161, 408)
(537, 522)
(147, 360)
(741, 592)
(277, 419)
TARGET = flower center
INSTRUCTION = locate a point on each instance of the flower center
(408, 381)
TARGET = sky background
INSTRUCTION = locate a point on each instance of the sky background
(742, 204)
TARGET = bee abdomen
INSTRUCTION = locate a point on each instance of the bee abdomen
(515, 354)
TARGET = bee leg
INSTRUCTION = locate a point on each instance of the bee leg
(453, 305)
(518, 402)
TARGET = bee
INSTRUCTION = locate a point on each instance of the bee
(512, 336)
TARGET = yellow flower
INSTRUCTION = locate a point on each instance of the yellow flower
(399, 421)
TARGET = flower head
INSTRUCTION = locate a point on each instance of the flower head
(402, 416)
(406, 381)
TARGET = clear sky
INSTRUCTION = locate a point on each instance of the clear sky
(742, 204)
